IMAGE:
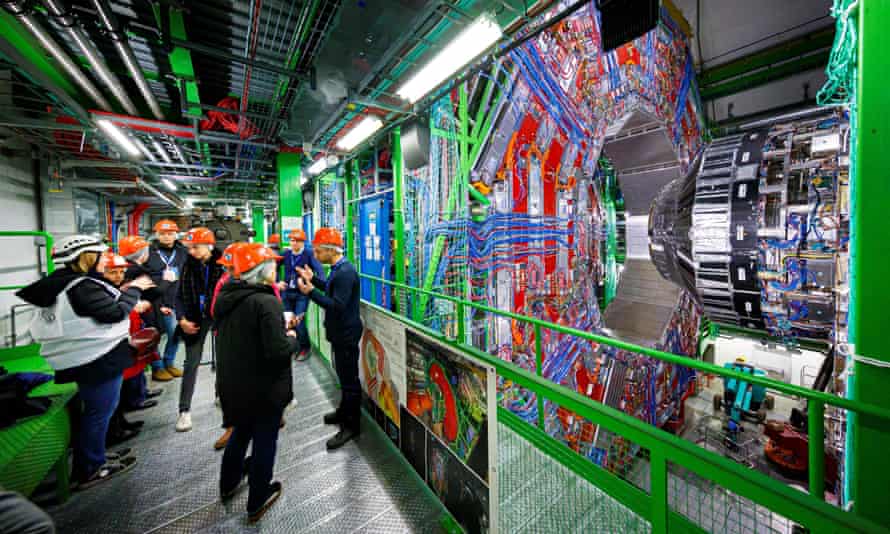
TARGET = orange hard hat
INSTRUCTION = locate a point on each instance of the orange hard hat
(275, 239)
(328, 236)
(131, 244)
(200, 236)
(250, 255)
(115, 261)
(166, 225)
(298, 235)
(228, 254)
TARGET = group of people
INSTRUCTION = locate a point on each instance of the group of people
(96, 303)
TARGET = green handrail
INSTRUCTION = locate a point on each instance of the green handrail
(804, 508)
(50, 267)
(789, 389)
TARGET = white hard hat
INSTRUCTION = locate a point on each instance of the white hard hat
(69, 248)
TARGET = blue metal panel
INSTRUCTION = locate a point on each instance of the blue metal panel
(375, 247)
(308, 227)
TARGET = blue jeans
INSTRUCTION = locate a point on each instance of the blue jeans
(301, 304)
(99, 403)
(168, 323)
(263, 431)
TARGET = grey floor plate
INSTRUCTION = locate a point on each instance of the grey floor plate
(364, 487)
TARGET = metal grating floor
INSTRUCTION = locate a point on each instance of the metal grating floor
(363, 487)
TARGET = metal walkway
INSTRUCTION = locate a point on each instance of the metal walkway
(363, 487)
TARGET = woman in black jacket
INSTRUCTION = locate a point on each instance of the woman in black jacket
(199, 276)
(83, 328)
(254, 375)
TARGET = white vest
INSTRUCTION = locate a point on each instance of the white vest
(68, 340)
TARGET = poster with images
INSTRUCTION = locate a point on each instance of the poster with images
(446, 433)
(382, 369)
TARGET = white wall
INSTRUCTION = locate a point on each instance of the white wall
(18, 205)
(797, 366)
(638, 237)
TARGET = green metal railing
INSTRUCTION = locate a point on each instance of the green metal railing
(48, 248)
(808, 509)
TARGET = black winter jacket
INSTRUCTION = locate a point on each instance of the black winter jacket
(177, 256)
(340, 300)
(253, 370)
(198, 279)
(88, 299)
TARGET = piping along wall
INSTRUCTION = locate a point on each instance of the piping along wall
(539, 247)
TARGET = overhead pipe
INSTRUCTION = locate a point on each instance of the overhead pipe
(58, 53)
(93, 57)
(123, 49)
(166, 197)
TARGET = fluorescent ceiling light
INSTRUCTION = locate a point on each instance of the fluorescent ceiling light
(319, 165)
(363, 130)
(469, 43)
(144, 149)
(120, 138)
(161, 151)
(170, 185)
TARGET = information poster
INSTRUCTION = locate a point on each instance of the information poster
(382, 369)
(445, 430)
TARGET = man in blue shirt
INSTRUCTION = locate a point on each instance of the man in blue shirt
(339, 296)
(294, 301)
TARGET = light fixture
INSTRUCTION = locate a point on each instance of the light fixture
(120, 138)
(170, 185)
(469, 43)
(320, 165)
(304, 179)
(144, 149)
(363, 130)
(161, 151)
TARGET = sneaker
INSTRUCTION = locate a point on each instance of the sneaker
(152, 393)
(146, 404)
(132, 425)
(223, 440)
(161, 375)
(274, 493)
(106, 472)
(184, 423)
(122, 435)
(341, 438)
(303, 355)
(174, 371)
(228, 494)
(332, 418)
(118, 455)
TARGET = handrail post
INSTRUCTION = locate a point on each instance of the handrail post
(658, 490)
(539, 370)
(816, 443)
(461, 335)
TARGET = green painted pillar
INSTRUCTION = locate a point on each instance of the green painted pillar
(870, 270)
(258, 217)
(290, 193)
(348, 227)
(398, 215)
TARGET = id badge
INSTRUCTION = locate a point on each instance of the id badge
(170, 274)
(293, 283)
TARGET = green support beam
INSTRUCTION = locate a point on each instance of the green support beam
(258, 218)
(181, 63)
(398, 198)
(869, 268)
(290, 192)
(799, 46)
(348, 226)
(765, 75)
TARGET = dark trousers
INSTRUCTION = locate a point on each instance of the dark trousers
(194, 349)
(133, 392)
(263, 432)
(346, 364)
(19, 515)
(99, 403)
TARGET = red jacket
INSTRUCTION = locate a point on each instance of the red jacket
(137, 324)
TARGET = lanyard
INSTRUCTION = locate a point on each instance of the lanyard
(167, 261)
(206, 278)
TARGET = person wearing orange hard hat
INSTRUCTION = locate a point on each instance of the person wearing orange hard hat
(294, 301)
(343, 327)
(254, 376)
(165, 261)
(199, 277)
(274, 242)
